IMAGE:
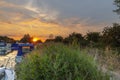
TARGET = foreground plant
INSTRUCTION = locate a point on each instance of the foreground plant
(59, 62)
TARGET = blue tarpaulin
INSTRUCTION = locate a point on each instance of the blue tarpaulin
(14, 46)
(21, 46)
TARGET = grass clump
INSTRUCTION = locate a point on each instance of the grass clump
(58, 62)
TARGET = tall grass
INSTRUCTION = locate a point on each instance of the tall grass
(59, 62)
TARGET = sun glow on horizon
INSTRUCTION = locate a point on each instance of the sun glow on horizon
(35, 39)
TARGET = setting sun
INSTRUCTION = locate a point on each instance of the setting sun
(35, 39)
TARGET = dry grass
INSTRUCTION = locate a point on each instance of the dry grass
(108, 59)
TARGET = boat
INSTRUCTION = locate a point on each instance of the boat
(4, 48)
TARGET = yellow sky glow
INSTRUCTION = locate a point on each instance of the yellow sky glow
(38, 28)
(38, 21)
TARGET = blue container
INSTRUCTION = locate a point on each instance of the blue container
(24, 48)
(14, 46)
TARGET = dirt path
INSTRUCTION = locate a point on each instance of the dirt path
(11, 57)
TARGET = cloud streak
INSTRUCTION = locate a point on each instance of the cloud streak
(43, 11)
(44, 17)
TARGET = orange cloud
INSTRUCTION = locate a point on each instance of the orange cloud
(16, 20)
(36, 27)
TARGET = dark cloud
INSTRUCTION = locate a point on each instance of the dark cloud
(56, 16)
(98, 11)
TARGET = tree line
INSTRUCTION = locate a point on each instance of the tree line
(110, 37)
(7, 39)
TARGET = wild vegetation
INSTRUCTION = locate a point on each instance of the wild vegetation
(59, 62)
(6, 39)
(109, 38)
(75, 57)
(89, 58)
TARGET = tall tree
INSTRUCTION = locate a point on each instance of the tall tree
(75, 38)
(58, 39)
(26, 38)
(111, 35)
(93, 37)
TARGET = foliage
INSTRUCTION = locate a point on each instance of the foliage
(58, 39)
(49, 40)
(93, 37)
(7, 39)
(75, 38)
(26, 38)
(38, 41)
(111, 35)
(58, 62)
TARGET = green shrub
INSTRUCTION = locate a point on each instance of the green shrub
(58, 62)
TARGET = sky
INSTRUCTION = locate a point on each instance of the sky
(40, 18)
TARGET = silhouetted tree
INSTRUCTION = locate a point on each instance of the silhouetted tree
(58, 39)
(49, 40)
(111, 35)
(39, 41)
(7, 39)
(75, 38)
(26, 38)
(66, 40)
(93, 37)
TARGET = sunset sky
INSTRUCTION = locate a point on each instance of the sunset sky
(40, 18)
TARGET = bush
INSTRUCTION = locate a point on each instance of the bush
(58, 62)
